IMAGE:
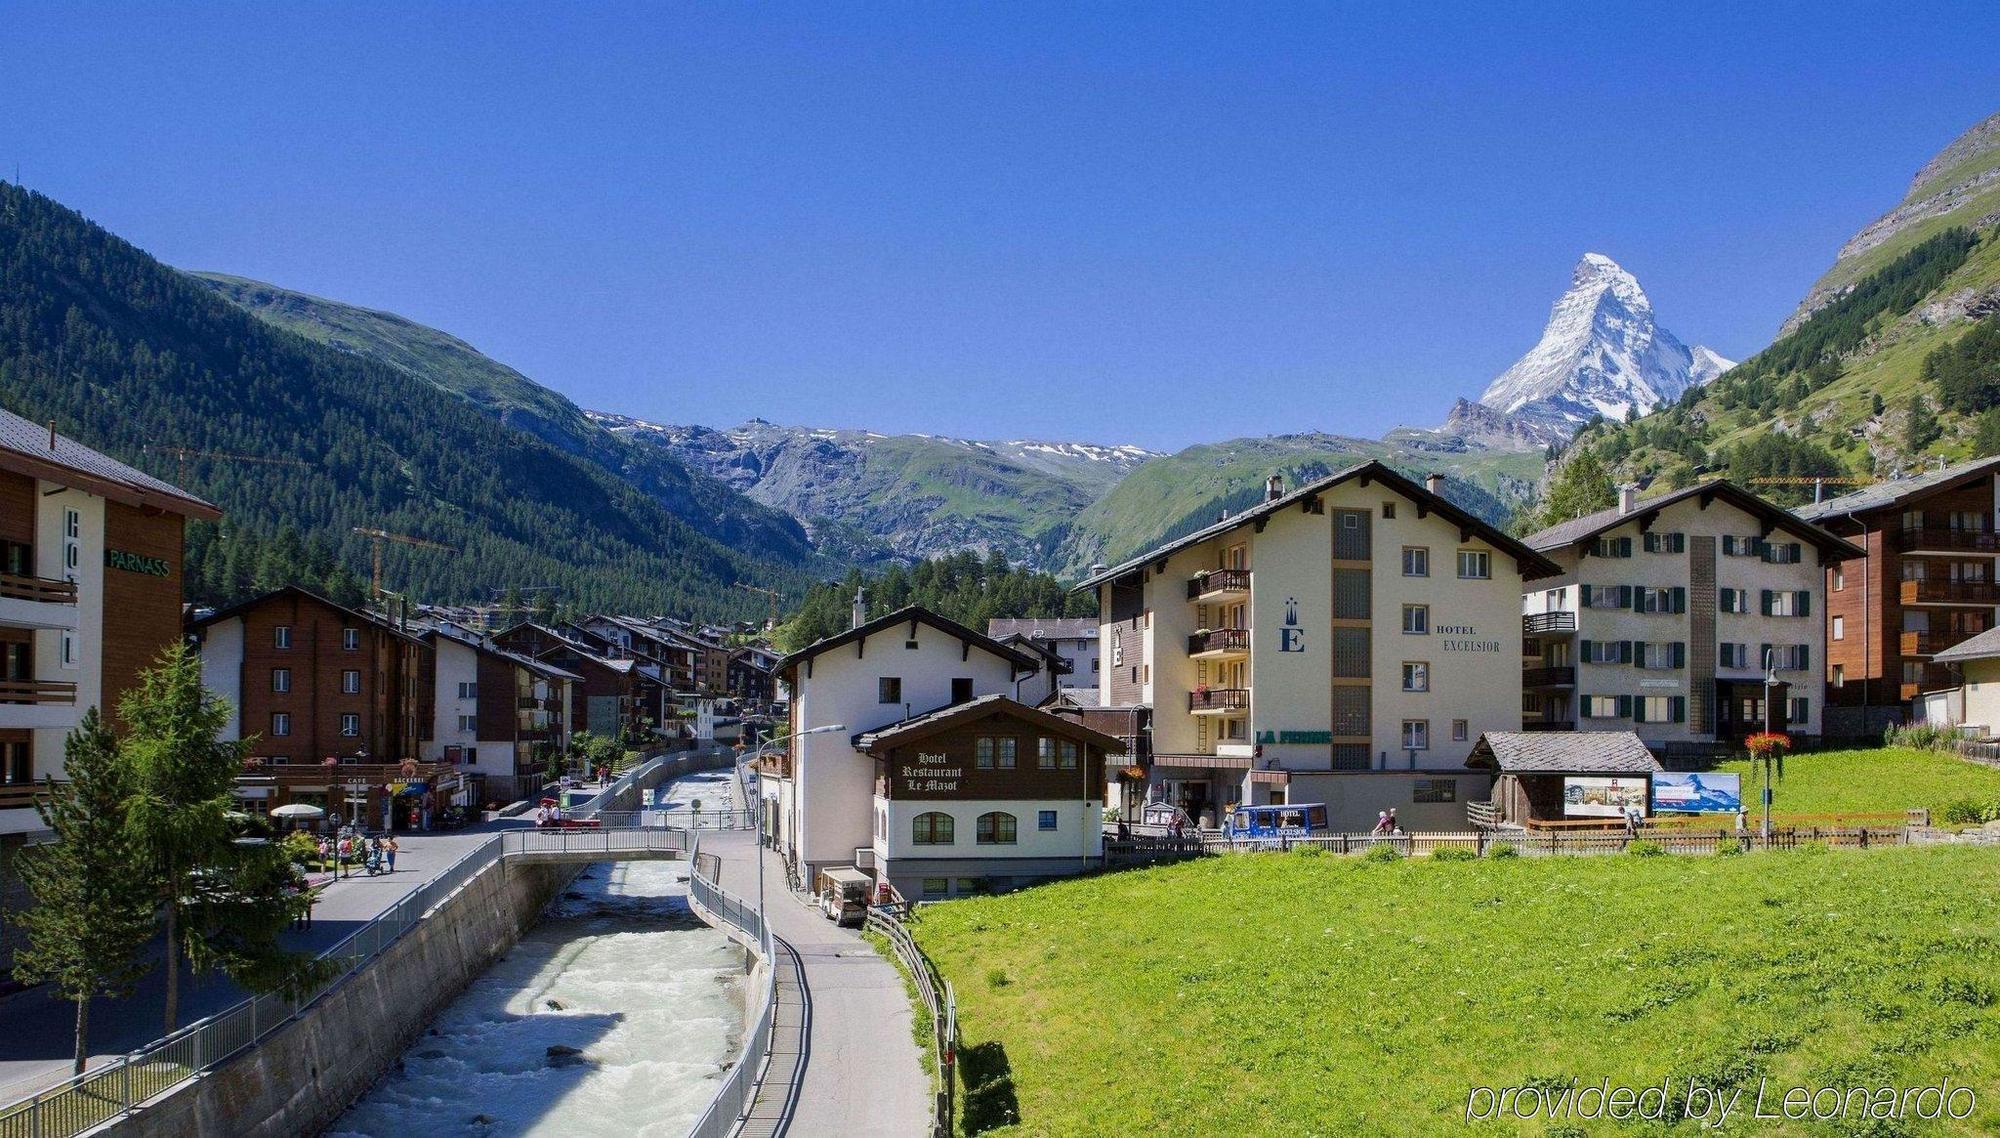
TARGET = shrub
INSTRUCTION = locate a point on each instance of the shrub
(1729, 849)
(1969, 812)
(1384, 851)
(1307, 851)
(300, 847)
(997, 978)
(1922, 737)
(1454, 853)
(1503, 849)
(1644, 848)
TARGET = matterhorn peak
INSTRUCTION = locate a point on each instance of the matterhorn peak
(1601, 353)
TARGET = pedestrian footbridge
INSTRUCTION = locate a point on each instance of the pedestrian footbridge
(593, 844)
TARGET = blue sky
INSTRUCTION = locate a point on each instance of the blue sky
(1144, 223)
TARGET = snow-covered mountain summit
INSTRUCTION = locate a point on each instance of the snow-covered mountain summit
(1601, 353)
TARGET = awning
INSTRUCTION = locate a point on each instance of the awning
(1204, 762)
(1275, 778)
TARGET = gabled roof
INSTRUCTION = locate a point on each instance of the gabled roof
(931, 722)
(1043, 627)
(368, 618)
(914, 615)
(1562, 752)
(1984, 646)
(487, 645)
(1894, 492)
(25, 449)
(1577, 530)
(1533, 565)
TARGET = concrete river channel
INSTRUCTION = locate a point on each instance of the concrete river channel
(614, 1015)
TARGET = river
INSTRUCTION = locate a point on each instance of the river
(613, 1016)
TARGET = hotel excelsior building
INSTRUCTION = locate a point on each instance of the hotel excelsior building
(1346, 643)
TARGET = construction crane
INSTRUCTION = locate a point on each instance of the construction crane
(182, 454)
(378, 536)
(773, 594)
(1819, 484)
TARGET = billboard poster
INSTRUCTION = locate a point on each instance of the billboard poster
(1698, 793)
(1603, 797)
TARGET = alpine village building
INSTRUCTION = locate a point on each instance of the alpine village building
(1925, 583)
(1343, 643)
(1665, 613)
(943, 780)
(90, 593)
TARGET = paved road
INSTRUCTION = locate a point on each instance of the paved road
(36, 1047)
(864, 1075)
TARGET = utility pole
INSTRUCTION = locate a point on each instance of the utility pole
(1770, 709)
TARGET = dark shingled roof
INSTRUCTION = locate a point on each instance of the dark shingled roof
(1565, 534)
(1050, 628)
(913, 615)
(1895, 491)
(918, 726)
(26, 443)
(1562, 752)
(1984, 646)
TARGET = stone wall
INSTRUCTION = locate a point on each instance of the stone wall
(300, 1079)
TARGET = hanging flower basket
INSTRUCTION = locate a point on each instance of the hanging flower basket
(1768, 744)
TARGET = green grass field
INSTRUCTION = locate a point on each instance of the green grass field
(1884, 779)
(1280, 994)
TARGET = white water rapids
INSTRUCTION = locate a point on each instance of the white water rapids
(649, 998)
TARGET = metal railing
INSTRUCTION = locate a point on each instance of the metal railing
(737, 1091)
(1538, 622)
(939, 999)
(1218, 699)
(1218, 581)
(1673, 839)
(1219, 640)
(103, 1093)
(1560, 676)
(1949, 592)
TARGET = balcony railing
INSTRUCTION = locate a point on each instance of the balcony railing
(37, 691)
(18, 588)
(1947, 540)
(1930, 677)
(1548, 677)
(1219, 641)
(1217, 582)
(1931, 643)
(22, 795)
(1536, 623)
(1549, 725)
(1950, 593)
(1215, 700)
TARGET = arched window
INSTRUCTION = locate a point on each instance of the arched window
(931, 829)
(996, 829)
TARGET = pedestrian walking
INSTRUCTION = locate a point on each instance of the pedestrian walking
(1381, 822)
(389, 851)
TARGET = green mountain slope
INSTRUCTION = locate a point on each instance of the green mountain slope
(122, 351)
(1852, 384)
(1180, 493)
(452, 365)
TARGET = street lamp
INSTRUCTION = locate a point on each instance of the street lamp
(1770, 708)
(759, 816)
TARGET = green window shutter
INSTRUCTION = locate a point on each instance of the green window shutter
(1583, 652)
(1680, 705)
(1763, 650)
(1635, 597)
(1624, 707)
(1805, 657)
(1680, 543)
(1586, 596)
(1639, 709)
(1797, 552)
(1729, 545)
(1624, 547)
(1680, 599)
(1680, 654)
(1805, 602)
(1635, 652)
(1764, 600)
(1728, 598)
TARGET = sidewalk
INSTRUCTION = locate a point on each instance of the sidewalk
(863, 1073)
(36, 1048)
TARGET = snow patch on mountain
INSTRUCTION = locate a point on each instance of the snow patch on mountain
(1601, 353)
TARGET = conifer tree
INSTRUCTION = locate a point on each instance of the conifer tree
(91, 916)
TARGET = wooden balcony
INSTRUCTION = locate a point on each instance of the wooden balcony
(1981, 593)
(1540, 623)
(22, 795)
(17, 588)
(1219, 644)
(1549, 725)
(1932, 677)
(1549, 678)
(1942, 539)
(1219, 584)
(1217, 701)
(37, 691)
(1931, 643)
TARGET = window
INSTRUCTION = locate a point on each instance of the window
(1665, 543)
(1840, 675)
(1069, 754)
(1416, 734)
(1416, 675)
(281, 724)
(1045, 820)
(991, 752)
(350, 639)
(1734, 600)
(1733, 655)
(995, 829)
(936, 888)
(961, 688)
(1605, 651)
(1798, 712)
(1417, 620)
(281, 679)
(1784, 553)
(1661, 655)
(1611, 547)
(1839, 578)
(1659, 600)
(468, 689)
(1460, 732)
(350, 724)
(281, 636)
(889, 689)
(1787, 602)
(69, 648)
(468, 724)
(1045, 753)
(931, 829)
(1389, 511)
(350, 681)
(1434, 790)
(1840, 628)
(16, 764)
(1474, 565)
(1416, 561)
